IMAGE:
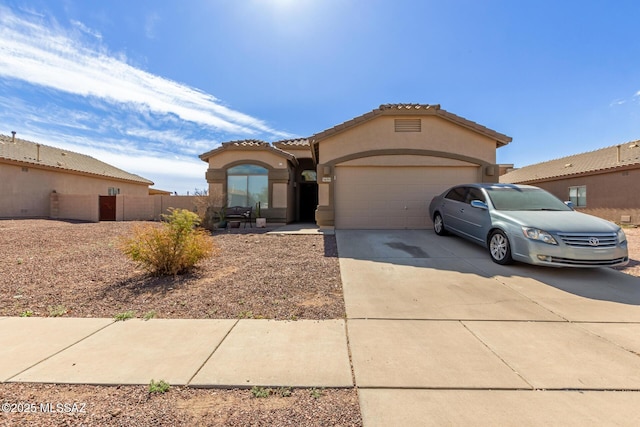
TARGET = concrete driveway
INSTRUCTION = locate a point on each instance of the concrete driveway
(440, 335)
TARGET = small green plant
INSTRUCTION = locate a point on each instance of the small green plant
(316, 393)
(171, 249)
(159, 387)
(150, 315)
(261, 392)
(26, 313)
(20, 261)
(284, 391)
(126, 315)
(57, 311)
(245, 315)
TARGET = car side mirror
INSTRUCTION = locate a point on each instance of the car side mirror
(569, 203)
(479, 204)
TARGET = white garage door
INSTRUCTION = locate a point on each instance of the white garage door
(392, 197)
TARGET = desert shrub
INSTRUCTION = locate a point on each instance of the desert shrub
(174, 248)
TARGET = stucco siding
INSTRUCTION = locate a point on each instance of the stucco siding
(224, 158)
(437, 134)
(607, 190)
(610, 195)
(405, 160)
(25, 190)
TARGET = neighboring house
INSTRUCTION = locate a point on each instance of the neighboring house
(33, 178)
(604, 182)
(378, 170)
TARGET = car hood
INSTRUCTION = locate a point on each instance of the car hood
(559, 221)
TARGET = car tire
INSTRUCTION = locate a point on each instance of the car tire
(438, 225)
(499, 248)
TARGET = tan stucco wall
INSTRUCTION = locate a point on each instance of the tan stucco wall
(77, 207)
(609, 195)
(403, 160)
(299, 153)
(128, 208)
(437, 134)
(279, 197)
(224, 158)
(26, 193)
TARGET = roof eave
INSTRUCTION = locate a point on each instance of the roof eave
(410, 109)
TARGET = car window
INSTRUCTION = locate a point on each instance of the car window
(525, 199)
(456, 194)
(475, 194)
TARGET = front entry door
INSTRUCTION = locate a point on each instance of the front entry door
(308, 201)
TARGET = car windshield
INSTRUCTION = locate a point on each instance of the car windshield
(525, 199)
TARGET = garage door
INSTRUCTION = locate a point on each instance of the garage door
(392, 197)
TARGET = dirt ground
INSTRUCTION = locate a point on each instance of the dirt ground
(76, 269)
(633, 242)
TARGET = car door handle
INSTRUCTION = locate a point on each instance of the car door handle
(462, 210)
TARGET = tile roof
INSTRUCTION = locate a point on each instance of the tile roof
(414, 109)
(34, 154)
(299, 142)
(578, 164)
(247, 143)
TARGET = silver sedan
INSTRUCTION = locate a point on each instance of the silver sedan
(528, 224)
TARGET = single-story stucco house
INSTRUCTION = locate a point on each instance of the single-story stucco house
(34, 176)
(604, 182)
(378, 170)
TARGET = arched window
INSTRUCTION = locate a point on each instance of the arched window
(247, 185)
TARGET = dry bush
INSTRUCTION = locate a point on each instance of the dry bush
(210, 206)
(174, 248)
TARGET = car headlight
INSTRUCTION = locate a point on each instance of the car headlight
(621, 236)
(536, 234)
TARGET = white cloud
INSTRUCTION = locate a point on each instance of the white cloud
(53, 57)
(79, 25)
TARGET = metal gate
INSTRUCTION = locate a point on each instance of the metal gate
(107, 208)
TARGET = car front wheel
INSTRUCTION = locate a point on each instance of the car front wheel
(499, 248)
(438, 225)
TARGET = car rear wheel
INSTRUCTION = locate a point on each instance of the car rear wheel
(438, 225)
(499, 248)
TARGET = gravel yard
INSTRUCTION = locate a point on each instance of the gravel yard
(52, 268)
(134, 406)
(76, 269)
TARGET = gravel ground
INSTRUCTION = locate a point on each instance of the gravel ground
(55, 267)
(134, 406)
(633, 239)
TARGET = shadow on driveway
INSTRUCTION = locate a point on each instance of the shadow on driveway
(426, 251)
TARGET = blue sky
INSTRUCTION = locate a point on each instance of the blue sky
(148, 85)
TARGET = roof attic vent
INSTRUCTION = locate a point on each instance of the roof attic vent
(634, 145)
(568, 165)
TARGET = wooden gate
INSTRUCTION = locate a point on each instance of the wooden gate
(107, 208)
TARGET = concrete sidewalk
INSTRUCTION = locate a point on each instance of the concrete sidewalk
(205, 353)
